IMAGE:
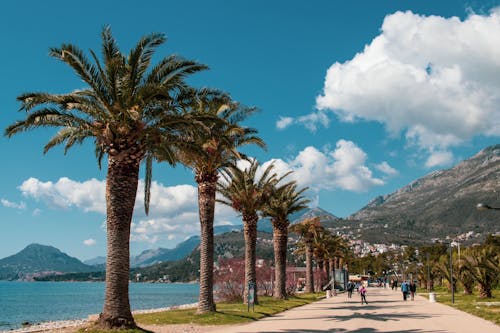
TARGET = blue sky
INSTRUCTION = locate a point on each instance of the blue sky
(359, 98)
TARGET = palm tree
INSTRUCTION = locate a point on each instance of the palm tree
(214, 150)
(129, 109)
(308, 230)
(483, 264)
(246, 193)
(443, 267)
(285, 200)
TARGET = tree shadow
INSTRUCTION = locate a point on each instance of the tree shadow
(359, 315)
(359, 330)
(143, 330)
(378, 316)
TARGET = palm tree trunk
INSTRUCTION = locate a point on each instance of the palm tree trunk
(250, 232)
(309, 268)
(321, 270)
(484, 290)
(328, 265)
(206, 203)
(280, 240)
(121, 190)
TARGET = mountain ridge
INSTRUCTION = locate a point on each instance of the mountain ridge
(38, 260)
(442, 203)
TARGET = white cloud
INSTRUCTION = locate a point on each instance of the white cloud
(284, 122)
(89, 242)
(312, 120)
(36, 212)
(385, 168)
(342, 168)
(173, 209)
(433, 78)
(439, 158)
(10, 204)
(66, 193)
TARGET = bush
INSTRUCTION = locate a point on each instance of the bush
(229, 278)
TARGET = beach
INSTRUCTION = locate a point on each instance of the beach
(68, 326)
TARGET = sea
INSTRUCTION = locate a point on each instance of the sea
(37, 302)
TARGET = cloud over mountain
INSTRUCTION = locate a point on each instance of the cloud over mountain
(173, 209)
(432, 78)
(342, 168)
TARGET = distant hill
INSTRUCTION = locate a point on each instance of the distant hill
(39, 260)
(154, 256)
(228, 245)
(440, 204)
(158, 255)
(100, 260)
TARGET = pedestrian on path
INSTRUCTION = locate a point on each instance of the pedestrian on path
(413, 289)
(405, 288)
(350, 288)
(362, 292)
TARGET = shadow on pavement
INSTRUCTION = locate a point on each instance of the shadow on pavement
(359, 330)
(379, 316)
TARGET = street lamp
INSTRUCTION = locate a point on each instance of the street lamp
(451, 275)
(483, 206)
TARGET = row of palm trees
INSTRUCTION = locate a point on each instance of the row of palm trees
(267, 195)
(318, 243)
(138, 112)
(478, 266)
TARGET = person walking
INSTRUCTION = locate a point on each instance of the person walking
(395, 285)
(362, 292)
(413, 289)
(405, 288)
(350, 288)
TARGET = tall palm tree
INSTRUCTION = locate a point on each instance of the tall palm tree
(246, 193)
(285, 200)
(130, 110)
(214, 150)
(308, 230)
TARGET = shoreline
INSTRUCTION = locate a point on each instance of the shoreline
(49, 326)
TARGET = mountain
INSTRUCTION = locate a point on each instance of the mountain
(441, 204)
(100, 260)
(154, 256)
(227, 245)
(39, 260)
(158, 255)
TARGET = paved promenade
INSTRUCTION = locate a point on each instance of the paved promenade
(385, 312)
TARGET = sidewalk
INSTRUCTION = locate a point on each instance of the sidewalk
(385, 312)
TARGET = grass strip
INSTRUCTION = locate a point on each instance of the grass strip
(226, 314)
(486, 308)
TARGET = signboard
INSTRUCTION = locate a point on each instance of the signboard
(251, 295)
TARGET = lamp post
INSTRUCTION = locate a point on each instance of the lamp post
(451, 275)
(428, 273)
(483, 206)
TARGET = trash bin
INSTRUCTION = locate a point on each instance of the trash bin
(432, 297)
(328, 293)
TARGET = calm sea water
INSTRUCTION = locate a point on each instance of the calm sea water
(47, 301)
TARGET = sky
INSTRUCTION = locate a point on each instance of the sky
(358, 98)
